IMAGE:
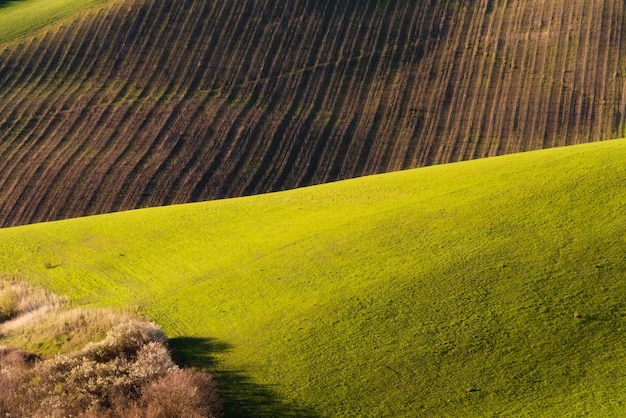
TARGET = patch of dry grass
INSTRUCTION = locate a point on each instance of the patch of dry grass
(45, 322)
(128, 373)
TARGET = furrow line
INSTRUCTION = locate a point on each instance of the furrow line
(477, 79)
(363, 72)
(159, 119)
(331, 103)
(33, 112)
(24, 90)
(201, 131)
(490, 142)
(153, 190)
(105, 127)
(398, 139)
(315, 94)
(48, 113)
(257, 94)
(423, 59)
(123, 127)
(226, 183)
(438, 85)
(27, 184)
(529, 79)
(620, 83)
(346, 42)
(461, 72)
(445, 90)
(380, 94)
(552, 131)
(509, 40)
(269, 131)
(167, 141)
(211, 47)
(578, 95)
(233, 28)
(76, 141)
(568, 76)
(611, 92)
(600, 128)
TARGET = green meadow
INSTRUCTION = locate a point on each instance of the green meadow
(494, 287)
(20, 17)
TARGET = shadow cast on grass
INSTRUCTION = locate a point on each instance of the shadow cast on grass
(241, 396)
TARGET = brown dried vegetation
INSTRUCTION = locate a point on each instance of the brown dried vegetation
(129, 373)
(141, 103)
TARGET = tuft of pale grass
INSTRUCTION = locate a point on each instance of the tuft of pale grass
(8, 303)
(30, 298)
(43, 321)
(52, 331)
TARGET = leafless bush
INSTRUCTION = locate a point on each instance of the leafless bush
(129, 373)
(124, 340)
(9, 386)
(13, 362)
(185, 393)
(12, 358)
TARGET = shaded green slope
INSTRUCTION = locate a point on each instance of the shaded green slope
(448, 290)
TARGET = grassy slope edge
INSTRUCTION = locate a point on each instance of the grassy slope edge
(20, 17)
(448, 290)
(256, 96)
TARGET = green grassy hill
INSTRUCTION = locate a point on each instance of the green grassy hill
(443, 291)
(139, 103)
(21, 17)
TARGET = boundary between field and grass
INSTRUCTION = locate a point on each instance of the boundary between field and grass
(21, 17)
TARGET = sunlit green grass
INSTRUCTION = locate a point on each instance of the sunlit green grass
(19, 17)
(443, 291)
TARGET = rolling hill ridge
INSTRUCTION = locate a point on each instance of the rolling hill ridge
(142, 103)
(494, 287)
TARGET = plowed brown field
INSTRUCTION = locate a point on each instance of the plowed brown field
(143, 102)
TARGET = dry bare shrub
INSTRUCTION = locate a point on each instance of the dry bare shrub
(9, 388)
(11, 358)
(13, 363)
(43, 316)
(181, 393)
(128, 373)
(132, 355)
(124, 340)
(122, 375)
(152, 362)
